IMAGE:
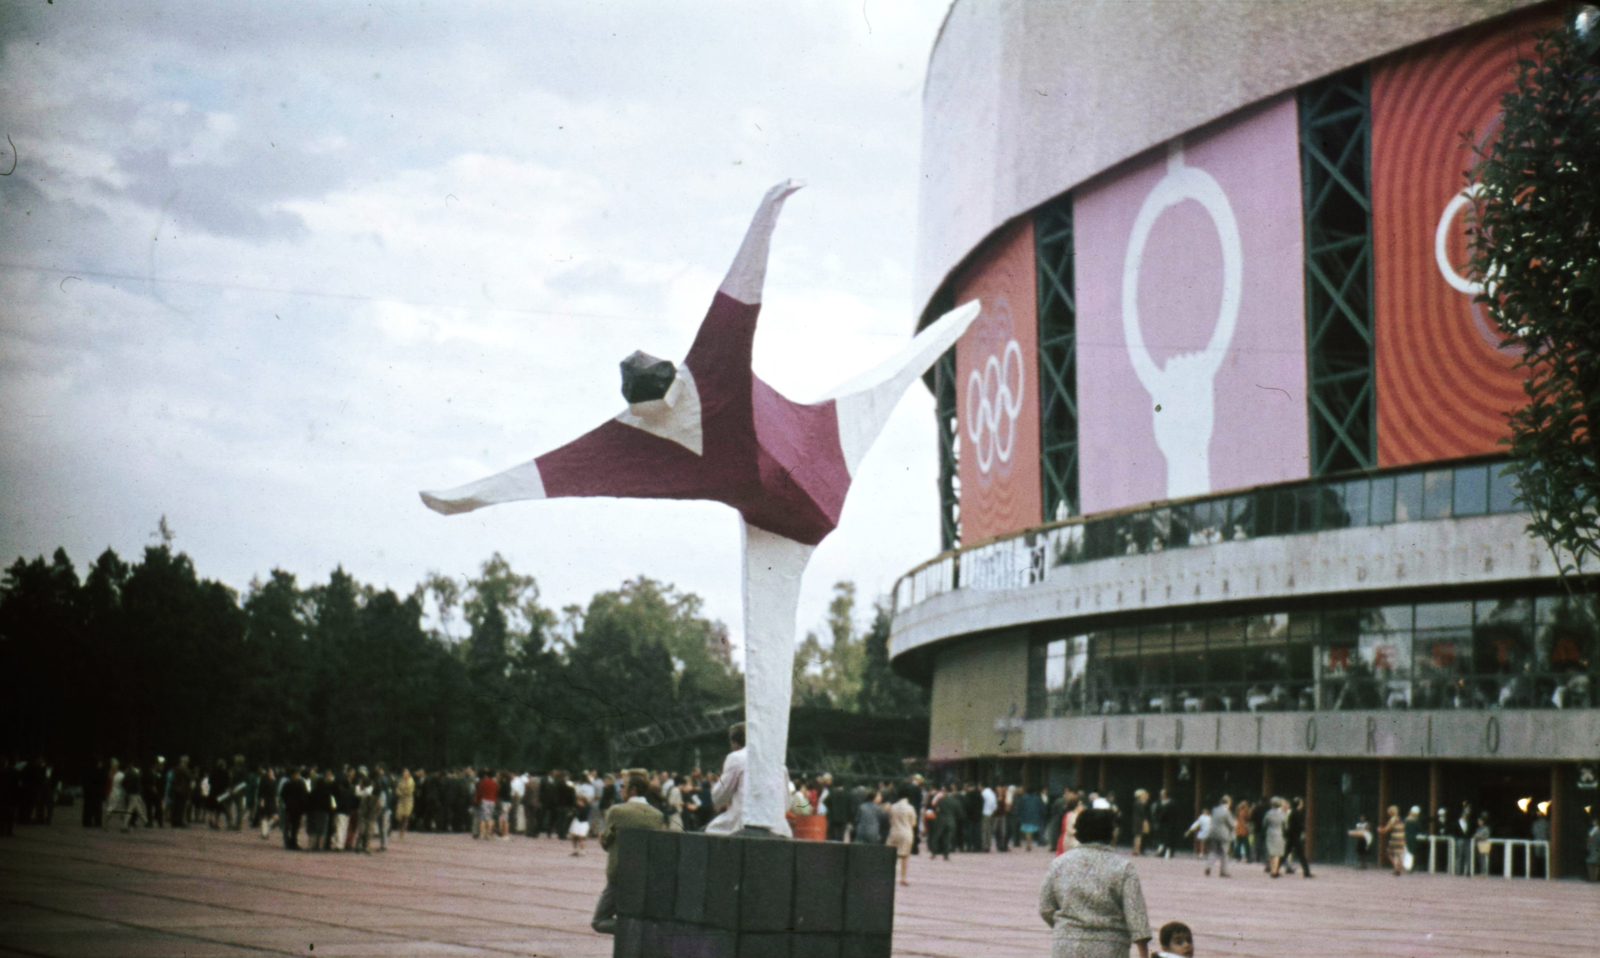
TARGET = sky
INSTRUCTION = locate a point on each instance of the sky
(269, 269)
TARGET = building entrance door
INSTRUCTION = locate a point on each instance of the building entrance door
(1514, 797)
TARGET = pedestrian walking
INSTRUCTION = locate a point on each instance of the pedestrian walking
(1220, 837)
(1393, 834)
(1091, 897)
(902, 832)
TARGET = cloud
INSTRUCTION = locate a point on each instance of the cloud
(327, 255)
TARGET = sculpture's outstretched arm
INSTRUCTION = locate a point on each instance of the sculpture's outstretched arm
(616, 460)
(865, 402)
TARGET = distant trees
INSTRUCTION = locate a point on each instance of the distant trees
(852, 672)
(149, 657)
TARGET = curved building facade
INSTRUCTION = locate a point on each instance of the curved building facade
(1223, 500)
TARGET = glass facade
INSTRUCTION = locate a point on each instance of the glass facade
(1519, 652)
(1467, 489)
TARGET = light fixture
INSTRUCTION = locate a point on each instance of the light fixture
(1522, 803)
(1544, 808)
(1585, 27)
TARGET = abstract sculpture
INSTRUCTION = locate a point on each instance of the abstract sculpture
(709, 428)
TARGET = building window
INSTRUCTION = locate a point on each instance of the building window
(1057, 668)
(1514, 652)
(1335, 148)
(1058, 361)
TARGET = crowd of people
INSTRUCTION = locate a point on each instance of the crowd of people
(357, 808)
(1090, 897)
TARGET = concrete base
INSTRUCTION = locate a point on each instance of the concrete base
(704, 896)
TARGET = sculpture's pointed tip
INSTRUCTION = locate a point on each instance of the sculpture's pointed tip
(966, 312)
(447, 507)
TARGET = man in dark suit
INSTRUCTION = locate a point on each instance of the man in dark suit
(841, 809)
(319, 811)
(912, 792)
(949, 812)
(972, 824)
(296, 796)
(549, 802)
(1295, 836)
(1160, 823)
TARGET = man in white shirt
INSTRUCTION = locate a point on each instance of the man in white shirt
(728, 792)
(990, 803)
(519, 789)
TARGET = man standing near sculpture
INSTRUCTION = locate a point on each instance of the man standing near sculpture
(635, 811)
(728, 795)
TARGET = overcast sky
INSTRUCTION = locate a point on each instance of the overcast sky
(269, 269)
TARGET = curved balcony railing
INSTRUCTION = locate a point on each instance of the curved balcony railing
(1437, 491)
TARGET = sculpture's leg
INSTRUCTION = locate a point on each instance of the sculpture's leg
(773, 566)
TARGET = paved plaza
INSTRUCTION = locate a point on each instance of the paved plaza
(66, 891)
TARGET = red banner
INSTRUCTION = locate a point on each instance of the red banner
(1444, 383)
(997, 390)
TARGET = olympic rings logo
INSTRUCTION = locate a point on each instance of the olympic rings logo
(994, 400)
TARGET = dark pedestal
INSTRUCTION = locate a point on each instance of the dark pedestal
(702, 896)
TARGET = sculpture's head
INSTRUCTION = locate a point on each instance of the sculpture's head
(645, 378)
(662, 400)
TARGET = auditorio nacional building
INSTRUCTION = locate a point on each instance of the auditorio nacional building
(1222, 490)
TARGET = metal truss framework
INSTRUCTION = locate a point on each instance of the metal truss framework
(1335, 171)
(1058, 360)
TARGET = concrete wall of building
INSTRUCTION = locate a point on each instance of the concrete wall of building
(1480, 550)
(1018, 94)
(1499, 734)
(976, 683)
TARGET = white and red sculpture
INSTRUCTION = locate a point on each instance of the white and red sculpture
(709, 428)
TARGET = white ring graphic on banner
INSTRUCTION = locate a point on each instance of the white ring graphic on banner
(1441, 235)
(1182, 391)
(991, 399)
(1467, 287)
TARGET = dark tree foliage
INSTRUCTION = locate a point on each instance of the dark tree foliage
(1536, 248)
(147, 659)
(641, 654)
(882, 691)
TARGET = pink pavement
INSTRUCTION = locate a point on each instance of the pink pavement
(66, 891)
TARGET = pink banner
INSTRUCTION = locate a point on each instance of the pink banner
(1191, 329)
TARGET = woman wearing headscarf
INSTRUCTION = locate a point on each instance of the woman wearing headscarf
(1091, 897)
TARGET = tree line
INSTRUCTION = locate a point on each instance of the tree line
(135, 659)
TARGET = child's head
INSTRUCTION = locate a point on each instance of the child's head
(1177, 939)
